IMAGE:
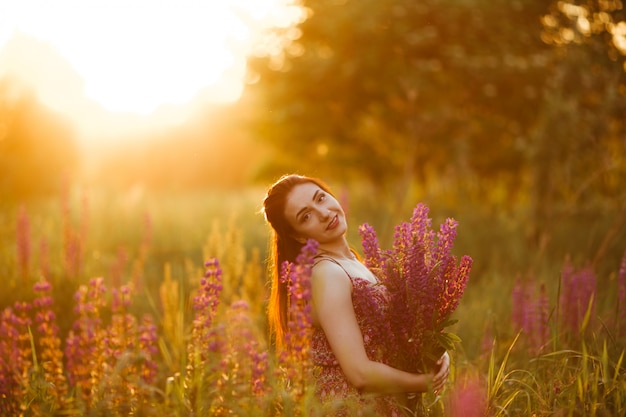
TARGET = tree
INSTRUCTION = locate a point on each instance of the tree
(393, 90)
(503, 99)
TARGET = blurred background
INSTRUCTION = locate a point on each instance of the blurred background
(509, 115)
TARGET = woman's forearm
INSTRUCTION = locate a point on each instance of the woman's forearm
(376, 377)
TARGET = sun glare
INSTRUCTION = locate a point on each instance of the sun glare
(137, 56)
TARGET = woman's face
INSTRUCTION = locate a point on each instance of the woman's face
(314, 214)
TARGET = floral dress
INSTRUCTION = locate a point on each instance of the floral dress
(332, 387)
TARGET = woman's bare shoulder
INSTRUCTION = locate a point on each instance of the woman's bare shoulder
(327, 270)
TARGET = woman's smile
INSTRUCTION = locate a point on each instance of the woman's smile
(333, 223)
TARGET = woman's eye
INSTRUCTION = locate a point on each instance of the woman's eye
(306, 217)
(322, 197)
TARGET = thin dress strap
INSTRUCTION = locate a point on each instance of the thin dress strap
(320, 258)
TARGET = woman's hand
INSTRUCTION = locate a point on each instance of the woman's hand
(441, 377)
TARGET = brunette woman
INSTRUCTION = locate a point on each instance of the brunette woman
(349, 346)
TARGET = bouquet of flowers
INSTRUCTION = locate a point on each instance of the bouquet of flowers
(425, 284)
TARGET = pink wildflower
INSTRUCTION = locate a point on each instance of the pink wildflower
(530, 314)
(577, 292)
(468, 398)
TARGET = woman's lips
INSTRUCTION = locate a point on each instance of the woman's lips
(333, 223)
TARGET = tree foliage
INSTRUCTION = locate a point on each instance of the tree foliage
(484, 93)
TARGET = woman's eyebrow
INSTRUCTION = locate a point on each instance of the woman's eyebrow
(306, 207)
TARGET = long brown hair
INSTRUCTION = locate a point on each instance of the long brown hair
(284, 247)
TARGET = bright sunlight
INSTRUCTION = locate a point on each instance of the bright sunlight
(140, 58)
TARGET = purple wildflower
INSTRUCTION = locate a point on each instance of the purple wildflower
(121, 332)
(15, 357)
(425, 284)
(49, 343)
(295, 359)
(206, 337)
(208, 298)
(13, 360)
(84, 343)
(541, 335)
(121, 299)
(248, 364)
(577, 293)
(371, 248)
(147, 344)
(530, 314)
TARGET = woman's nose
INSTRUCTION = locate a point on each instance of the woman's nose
(324, 214)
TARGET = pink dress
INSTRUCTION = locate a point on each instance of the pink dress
(370, 303)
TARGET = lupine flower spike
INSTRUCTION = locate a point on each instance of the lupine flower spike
(295, 360)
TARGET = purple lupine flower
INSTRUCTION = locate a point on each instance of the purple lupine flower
(122, 331)
(421, 294)
(121, 298)
(208, 298)
(49, 342)
(249, 364)
(84, 342)
(206, 335)
(148, 346)
(424, 282)
(422, 233)
(295, 359)
(22, 240)
(10, 362)
(371, 248)
(445, 240)
(401, 238)
(530, 313)
(541, 326)
(457, 285)
(16, 362)
(577, 293)
(420, 222)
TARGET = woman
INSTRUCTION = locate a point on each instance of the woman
(348, 314)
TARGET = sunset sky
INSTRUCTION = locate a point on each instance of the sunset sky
(115, 67)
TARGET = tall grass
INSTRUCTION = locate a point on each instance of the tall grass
(154, 305)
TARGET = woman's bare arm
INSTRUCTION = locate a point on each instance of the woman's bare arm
(334, 313)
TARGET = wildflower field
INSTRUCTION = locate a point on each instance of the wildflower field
(134, 304)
